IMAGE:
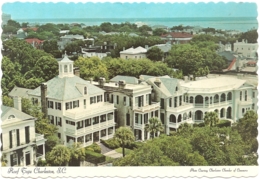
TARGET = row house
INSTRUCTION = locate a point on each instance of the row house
(75, 106)
(189, 101)
(21, 146)
(133, 103)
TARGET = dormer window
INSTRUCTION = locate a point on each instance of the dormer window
(11, 116)
(85, 90)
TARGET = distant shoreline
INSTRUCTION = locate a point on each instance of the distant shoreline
(228, 23)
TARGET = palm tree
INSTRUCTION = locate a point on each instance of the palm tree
(124, 136)
(59, 156)
(211, 119)
(154, 126)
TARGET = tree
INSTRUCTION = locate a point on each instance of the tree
(59, 156)
(91, 68)
(211, 119)
(77, 154)
(7, 101)
(124, 136)
(154, 126)
(251, 36)
(106, 26)
(159, 32)
(155, 54)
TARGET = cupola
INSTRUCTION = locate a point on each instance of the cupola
(66, 67)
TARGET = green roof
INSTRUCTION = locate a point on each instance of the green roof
(127, 79)
(65, 88)
(7, 111)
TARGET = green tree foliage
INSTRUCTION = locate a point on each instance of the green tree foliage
(195, 59)
(91, 68)
(211, 119)
(7, 101)
(49, 27)
(134, 67)
(25, 66)
(124, 136)
(154, 126)
(159, 32)
(247, 128)
(251, 36)
(77, 154)
(106, 26)
(11, 27)
(155, 54)
(59, 156)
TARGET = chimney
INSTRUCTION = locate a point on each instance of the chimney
(157, 82)
(121, 84)
(44, 99)
(91, 80)
(101, 81)
(146, 47)
(77, 71)
(17, 103)
(186, 79)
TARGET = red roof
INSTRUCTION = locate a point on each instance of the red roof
(35, 40)
(251, 62)
(32, 28)
(178, 35)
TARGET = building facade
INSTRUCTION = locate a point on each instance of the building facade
(133, 53)
(75, 106)
(21, 146)
(249, 50)
(177, 37)
(133, 103)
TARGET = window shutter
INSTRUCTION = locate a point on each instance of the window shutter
(18, 137)
(11, 158)
(1, 136)
(27, 134)
(60, 122)
(10, 140)
(150, 99)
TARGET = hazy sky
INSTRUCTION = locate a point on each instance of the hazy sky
(127, 10)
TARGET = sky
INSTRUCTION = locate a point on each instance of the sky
(32, 10)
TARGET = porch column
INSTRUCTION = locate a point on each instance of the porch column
(92, 137)
(204, 101)
(193, 100)
(148, 135)
(43, 151)
(84, 142)
(31, 156)
(106, 133)
(142, 135)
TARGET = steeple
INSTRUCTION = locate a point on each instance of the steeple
(66, 67)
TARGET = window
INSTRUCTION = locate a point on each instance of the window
(253, 106)
(35, 101)
(87, 122)
(170, 102)
(85, 90)
(107, 97)
(95, 120)
(162, 118)
(245, 95)
(147, 99)
(79, 124)
(58, 121)
(253, 94)
(243, 110)
(85, 103)
(57, 105)
(112, 98)
(65, 68)
(124, 101)
(176, 88)
(59, 135)
(70, 122)
(50, 104)
(130, 101)
(180, 100)
(136, 118)
(175, 102)
(88, 138)
(162, 103)
(75, 104)
(98, 99)
(91, 100)
(156, 113)
(117, 99)
(27, 134)
(128, 119)
(51, 118)
(103, 118)
(125, 57)
(240, 95)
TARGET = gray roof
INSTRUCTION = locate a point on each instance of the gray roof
(229, 55)
(66, 59)
(146, 77)
(164, 47)
(65, 88)
(7, 111)
(127, 79)
(21, 92)
(21, 35)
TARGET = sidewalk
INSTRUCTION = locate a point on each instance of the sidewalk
(109, 152)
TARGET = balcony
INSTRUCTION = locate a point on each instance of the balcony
(152, 107)
(89, 129)
(182, 108)
(139, 126)
(78, 114)
(247, 102)
(177, 125)
(217, 104)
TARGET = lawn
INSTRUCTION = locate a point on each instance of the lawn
(120, 150)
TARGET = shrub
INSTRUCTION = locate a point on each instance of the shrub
(94, 157)
(110, 143)
(94, 147)
(224, 123)
(41, 163)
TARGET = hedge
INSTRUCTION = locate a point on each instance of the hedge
(224, 123)
(94, 147)
(113, 144)
(94, 157)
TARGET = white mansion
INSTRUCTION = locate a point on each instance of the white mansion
(18, 137)
(87, 111)
(75, 106)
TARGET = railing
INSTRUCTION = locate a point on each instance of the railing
(247, 102)
(91, 128)
(153, 106)
(39, 137)
(190, 89)
(181, 108)
(139, 126)
(217, 104)
(84, 113)
(176, 125)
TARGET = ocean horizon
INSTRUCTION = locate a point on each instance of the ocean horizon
(225, 23)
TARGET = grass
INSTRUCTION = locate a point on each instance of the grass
(109, 159)
(120, 150)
